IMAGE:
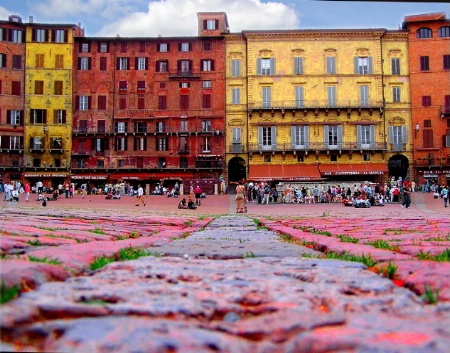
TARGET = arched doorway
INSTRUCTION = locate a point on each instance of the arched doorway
(236, 172)
(398, 166)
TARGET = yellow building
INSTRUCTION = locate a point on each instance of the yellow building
(316, 105)
(48, 102)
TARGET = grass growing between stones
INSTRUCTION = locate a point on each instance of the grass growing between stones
(98, 231)
(34, 243)
(8, 293)
(388, 271)
(443, 256)
(347, 238)
(382, 244)
(430, 296)
(45, 260)
(346, 256)
(124, 254)
(249, 254)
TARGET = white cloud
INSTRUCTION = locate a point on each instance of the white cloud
(179, 17)
(4, 13)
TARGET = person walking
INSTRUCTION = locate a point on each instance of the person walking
(444, 194)
(27, 190)
(406, 197)
(140, 195)
(240, 197)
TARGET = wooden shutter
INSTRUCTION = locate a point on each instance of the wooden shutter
(339, 135)
(273, 70)
(358, 136)
(391, 134)
(293, 141)
(260, 137)
(370, 65)
(326, 132)
(306, 127)
(273, 136)
(372, 136)
(404, 134)
(355, 65)
(258, 66)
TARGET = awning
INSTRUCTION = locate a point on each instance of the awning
(89, 177)
(45, 175)
(152, 176)
(353, 169)
(284, 172)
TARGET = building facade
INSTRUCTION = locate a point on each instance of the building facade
(429, 65)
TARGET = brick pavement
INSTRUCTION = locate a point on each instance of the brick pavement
(268, 296)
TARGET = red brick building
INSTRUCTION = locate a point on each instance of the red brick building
(429, 55)
(151, 110)
(12, 98)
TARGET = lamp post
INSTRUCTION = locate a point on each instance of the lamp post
(417, 128)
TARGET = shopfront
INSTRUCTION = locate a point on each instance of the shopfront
(354, 172)
(50, 181)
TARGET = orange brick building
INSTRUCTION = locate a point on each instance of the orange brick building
(429, 61)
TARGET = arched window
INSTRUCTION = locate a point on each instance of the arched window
(424, 32)
(444, 32)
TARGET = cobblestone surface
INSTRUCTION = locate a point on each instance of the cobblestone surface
(225, 283)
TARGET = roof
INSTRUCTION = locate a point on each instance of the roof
(425, 17)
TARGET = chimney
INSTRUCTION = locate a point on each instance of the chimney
(30, 19)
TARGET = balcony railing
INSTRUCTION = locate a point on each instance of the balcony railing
(315, 104)
(236, 148)
(317, 146)
(432, 162)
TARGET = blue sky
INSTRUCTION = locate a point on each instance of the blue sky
(149, 18)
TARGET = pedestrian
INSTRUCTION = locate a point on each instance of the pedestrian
(240, 197)
(444, 194)
(39, 187)
(140, 195)
(406, 203)
(198, 194)
(83, 190)
(27, 191)
(267, 191)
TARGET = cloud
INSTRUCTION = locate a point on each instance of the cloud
(179, 17)
(4, 13)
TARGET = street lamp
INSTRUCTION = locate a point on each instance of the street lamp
(417, 128)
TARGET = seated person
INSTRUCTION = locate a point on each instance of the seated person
(109, 196)
(191, 204)
(183, 204)
(116, 196)
(347, 202)
(55, 195)
(15, 195)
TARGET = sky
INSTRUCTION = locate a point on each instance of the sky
(151, 18)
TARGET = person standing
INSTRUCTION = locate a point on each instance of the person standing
(140, 195)
(198, 194)
(83, 190)
(406, 197)
(444, 194)
(27, 191)
(39, 187)
(266, 197)
(240, 197)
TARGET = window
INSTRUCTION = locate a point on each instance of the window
(365, 136)
(83, 126)
(2, 60)
(15, 117)
(184, 85)
(331, 65)
(85, 48)
(38, 87)
(424, 63)
(364, 95)
(206, 101)
(161, 144)
(396, 96)
(101, 126)
(16, 36)
(59, 116)
(59, 61)
(265, 66)
(267, 159)
(103, 47)
(141, 64)
(141, 103)
(266, 97)
(103, 63)
(162, 66)
(37, 143)
(122, 103)
(17, 62)
(141, 87)
(16, 88)
(184, 47)
(121, 126)
(141, 47)
(1, 35)
(299, 93)
(39, 61)
(426, 101)
(101, 163)
(207, 46)
(424, 32)
(366, 157)
(122, 63)
(38, 116)
(444, 32)
(427, 123)
(12, 143)
(100, 145)
(83, 103)
(40, 35)
(162, 102)
(207, 84)
(235, 96)
(123, 87)
(298, 66)
(123, 47)
(331, 93)
(206, 126)
(267, 137)
(428, 138)
(210, 24)
(184, 101)
(363, 65)
(236, 140)
(184, 162)
(395, 66)
(140, 126)
(184, 67)
(59, 36)
(56, 143)
(235, 68)
(206, 144)
(101, 102)
(446, 59)
(161, 162)
(160, 126)
(300, 137)
(207, 65)
(333, 136)
(398, 137)
(84, 63)
(163, 47)
(58, 88)
(140, 144)
(121, 144)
